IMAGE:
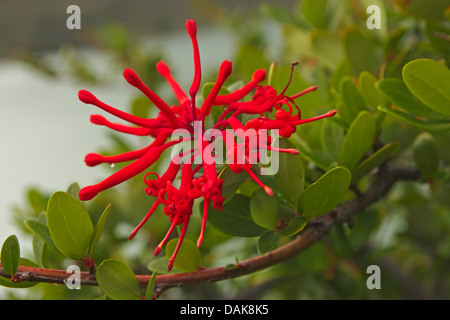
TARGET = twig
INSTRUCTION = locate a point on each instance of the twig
(316, 229)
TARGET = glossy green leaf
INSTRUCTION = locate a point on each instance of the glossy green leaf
(290, 177)
(235, 218)
(159, 265)
(429, 81)
(353, 101)
(268, 241)
(264, 209)
(358, 140)
(151, 287)
(41, 230)
(294, 226)
(10, 255)
(325, 194)
(23, 284)
(99, 229)
(188, 257)
(433, 125)
(375, 160)
(332, 137)
(74, 190)
(398, 93)
(117, 280)
(426, 154)
(369, 90)
(231, 182)
(69, 224)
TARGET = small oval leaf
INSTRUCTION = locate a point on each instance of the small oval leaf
(188, 257)
(264, 209)
(10, 255)
(98, 229)
(117, 280)
(151, 286)
(426, 154)
(325, 194)
(290, 177)
(235, 218)
(429, 81)
(358, 140)
(69, 224)
(268, 241)
(41, 230)
(374, 160)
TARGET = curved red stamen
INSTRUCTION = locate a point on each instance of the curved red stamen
(88, 98)
(164, 70)
(133, 79)
(258, 76)
(125, 173)
(137, 131)
(180, 241)
(224, 73)
(147, 216)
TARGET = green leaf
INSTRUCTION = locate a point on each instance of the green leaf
(429, 81)
(74, 190)
(99, 229)
(398, 93)
(353, 101)
(159, 265)
(117, 280)
(426, 154)
(264, 209)
(69, 224)
(433, 125)
(290, 177)
(332, 137)
(41, 230)
(268, 241)
(294, 226)
(10, 255)
(358, 140)
(235, 218)
(368, 87)
(151, 286)
(360, 51)
(325, 194)
(231, 182)
(375, 160)
(188, 257)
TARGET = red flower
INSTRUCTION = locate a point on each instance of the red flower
(202, 180)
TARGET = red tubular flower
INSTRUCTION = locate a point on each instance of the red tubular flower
(201, 181)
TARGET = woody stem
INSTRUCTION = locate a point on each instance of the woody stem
(316, 229)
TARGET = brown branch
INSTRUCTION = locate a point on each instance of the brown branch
(316, 229)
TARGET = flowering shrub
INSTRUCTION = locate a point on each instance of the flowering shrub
(258, 179)
(178, 203)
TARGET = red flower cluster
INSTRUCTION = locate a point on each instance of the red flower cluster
(201, 181)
